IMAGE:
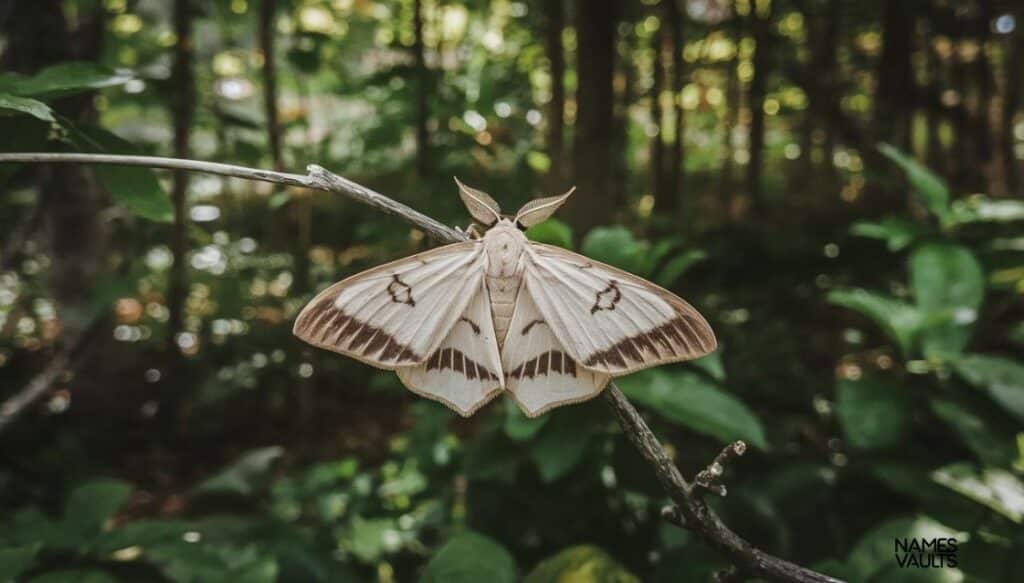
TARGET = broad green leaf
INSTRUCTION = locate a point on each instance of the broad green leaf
(949, 286)
(16, 560)
(90, 505)
(688, 399)
(137, 189)
(561, 443)
(245, 475)
(932, 190)
(21, 134)
(677, 266)
(470, 558)
(872, 557)
(874, 413)
(581, 563)
(975, 431)
(36, 109)
(897, 232)
(899, 320)
(64, 79)
(552, 232)
(914, 480)
(518, 426)
(995, 488)
(615, 246)
(1002, 379)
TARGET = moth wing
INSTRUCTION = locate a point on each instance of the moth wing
(464, 372)
(539, 373)
(611, 321)
(395, 314)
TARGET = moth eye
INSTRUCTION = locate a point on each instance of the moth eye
(520, 226)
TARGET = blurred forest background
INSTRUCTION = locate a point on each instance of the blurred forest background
(836, 184)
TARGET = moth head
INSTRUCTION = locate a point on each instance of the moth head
(539, 210)
(480, 205)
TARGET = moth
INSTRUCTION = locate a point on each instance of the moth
(498, 313)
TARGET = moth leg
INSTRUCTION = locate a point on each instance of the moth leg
(473, 230)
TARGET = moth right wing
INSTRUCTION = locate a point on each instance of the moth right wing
(464, 372)
(539, 373)
(396, 314)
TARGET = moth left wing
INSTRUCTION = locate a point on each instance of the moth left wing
(608, 320)
(464, 372)
(395, 314)
(539, 373)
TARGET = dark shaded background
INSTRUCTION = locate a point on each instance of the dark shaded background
(767, 160)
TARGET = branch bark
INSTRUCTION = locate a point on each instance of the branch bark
(690, 507)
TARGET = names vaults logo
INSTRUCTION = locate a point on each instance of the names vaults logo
(923, 553)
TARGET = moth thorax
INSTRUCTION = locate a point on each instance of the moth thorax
(504, 244)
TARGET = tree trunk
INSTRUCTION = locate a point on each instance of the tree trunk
(70, 201)
(895, 76)
(676, 163)
(1011, 104)
(556, 107)
(182, 110)
(268, 11)
(422, 92)
(658, 185)
(733, 104)
(594, 159)
(760, 24)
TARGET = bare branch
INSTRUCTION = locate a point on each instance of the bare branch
(690, 508)
(64, 360)
(710, 478)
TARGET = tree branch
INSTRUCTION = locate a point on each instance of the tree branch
(690, 508)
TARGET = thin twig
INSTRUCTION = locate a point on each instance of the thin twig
(690, 508)
(64, 360)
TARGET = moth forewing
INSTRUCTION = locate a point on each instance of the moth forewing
(396, 314)
(539, 210)
(484, 209)
(609, 320)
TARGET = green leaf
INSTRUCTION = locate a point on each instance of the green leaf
(64, 79)
(677, 266)
(16, 560)
(245, 475)
(872, 556)
(135, 188)
(581, 563)
(897, 232)
(1002, 379)
(75, 576)
(688, 399)
(470, 558)
(974, 430)
(369, 537)
(519, 427)
(932, 190)
(36, 109)
(615, 246)
(949, 287)
(874, 413)
(561, 444)
(899, 320)
(552, 232)
(712, 364)
(90, 505)
(995, 488)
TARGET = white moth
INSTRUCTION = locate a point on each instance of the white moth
(464, 322)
